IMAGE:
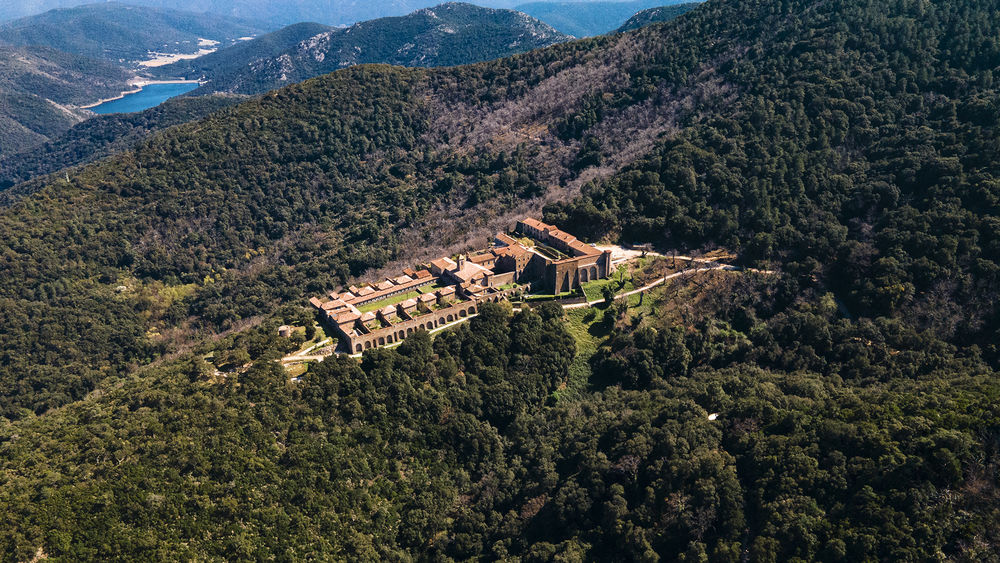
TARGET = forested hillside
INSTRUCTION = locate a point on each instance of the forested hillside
(99, 137)
(655, 15)
(121, 33)
(40, 89)
(232, 59)
(449, 34)
(848, 145)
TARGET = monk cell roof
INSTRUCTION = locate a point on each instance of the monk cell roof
(410, 303)
(443, 263)
(385, 285)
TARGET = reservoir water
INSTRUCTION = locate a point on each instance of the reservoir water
(150, 95)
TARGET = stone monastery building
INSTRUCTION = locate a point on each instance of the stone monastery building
(535, 256)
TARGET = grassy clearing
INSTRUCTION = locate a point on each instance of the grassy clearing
(588, 329)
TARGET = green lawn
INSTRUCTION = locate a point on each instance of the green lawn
(376, 305)
(587, 327)
(548, 296)
(430, 288)
(593, 289)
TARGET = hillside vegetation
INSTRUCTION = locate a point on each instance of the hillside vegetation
(445, 35)
(847, 144)
(122, 33)
(232, 59)
(40, 89)
(99, 137)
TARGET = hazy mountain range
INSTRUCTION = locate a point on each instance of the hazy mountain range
(448, 34)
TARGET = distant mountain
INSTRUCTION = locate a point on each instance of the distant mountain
(586, 19)
(40, 89)
(446, 35)
(276, 13)
(234, 59)
(656, 15)
(125, 34)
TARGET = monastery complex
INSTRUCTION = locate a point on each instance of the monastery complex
(534, 256)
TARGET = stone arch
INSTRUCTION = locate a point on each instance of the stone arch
(381, 341)
(450, 318)
(402, 335)
(441, 321)
(368, 345)
(593, 272)
(388, 339)
(583, 276)
(472, 310)
(462, 313)
(360, 347)
(409, 331)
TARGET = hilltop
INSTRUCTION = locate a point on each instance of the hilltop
(445, 35)
(121, 33)
(656, 15)
(843, 408)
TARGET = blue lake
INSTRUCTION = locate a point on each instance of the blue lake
(150, 95)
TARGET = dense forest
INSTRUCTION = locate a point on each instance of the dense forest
(842, 408)
(99, 137)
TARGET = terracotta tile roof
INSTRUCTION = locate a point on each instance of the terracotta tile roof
(316, 302)
(410, 272)
(481, 258)
(423, 274)
(384, 285)
(443, 263)
(446, 290)
(348, 316)
(368, 317)
(387, 311)
(409, 303)
(366, 290)
(334, 305)
(469, 272)
(402, 279)
(505, 239)
(512, 251)
(427, 297)
(534, 223)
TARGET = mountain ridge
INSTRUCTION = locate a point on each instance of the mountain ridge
(123, 33)
(443, 35)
